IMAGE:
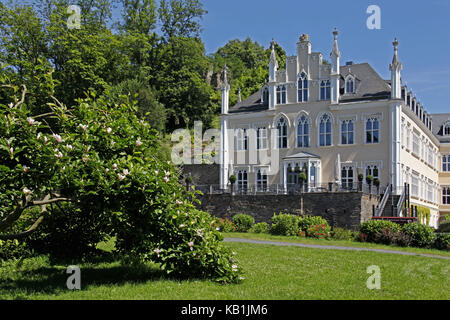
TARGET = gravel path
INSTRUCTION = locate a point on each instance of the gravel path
(316, 246)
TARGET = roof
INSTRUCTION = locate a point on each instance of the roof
(439, 119)
(302, 155)
(368, 84)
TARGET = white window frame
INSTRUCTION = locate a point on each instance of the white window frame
(281, 92)
(263, 180)
(372, 130)
(241, 139)
(280, 137)
(307, 121)
(348, 79)
(325, 85)
(301, 90)
(325, 134)
(348, 132)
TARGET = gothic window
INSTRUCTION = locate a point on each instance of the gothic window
(242, 181)
(350, 84)
(373, 130)
(282, 130)
(325, 133)
(241, 139)
(447, 129)
(347, 177)
(281, 94)
(261, 180)
(261, 138)
(372, 170)
(265, 96)
(303, 132)
(347, 132)
(325, 90)
(303, 88)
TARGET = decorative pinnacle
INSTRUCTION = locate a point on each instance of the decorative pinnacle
(335, 33)
(225, 75)
(395, 61)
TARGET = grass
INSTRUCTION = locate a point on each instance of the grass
(271, 272)
(345, 243)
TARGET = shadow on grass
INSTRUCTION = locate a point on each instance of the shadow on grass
(52, 278)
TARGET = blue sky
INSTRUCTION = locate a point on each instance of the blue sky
(422, 28)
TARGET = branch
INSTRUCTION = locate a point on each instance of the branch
(16, 214)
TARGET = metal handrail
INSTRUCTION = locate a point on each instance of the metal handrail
(399, 208)
(383, 201)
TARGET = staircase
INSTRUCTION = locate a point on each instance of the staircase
(391, 205)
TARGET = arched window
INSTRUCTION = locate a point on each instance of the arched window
(303, 132)
(350, 84)
(281, 94)
(242, 181)
(372, 130)
(282, 130)
(447, 129)
(261, 180)
(372, 170)
(325, 133)
(265, 96)
(241, 139)
(347, 132)
(347, 177)
(325, 90)
(303, 88)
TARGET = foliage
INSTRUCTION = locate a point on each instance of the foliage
(243, 222)
(261, 227)
(305, 222)
(421, 235)
(13, 249)
(284, 225)
(343, 234)
(104, 161)
(224, 225)
(442, 241)
(319, 231)
(232, 179)
(372, 228)
(369, 179)
(444, 226)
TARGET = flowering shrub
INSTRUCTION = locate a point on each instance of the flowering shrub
(372, 228)
(104, 162)
(243, 222)
(305, 222)
(224, 225)
(319, 231)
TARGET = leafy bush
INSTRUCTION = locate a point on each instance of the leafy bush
(442, 241)
(13, 249)
(402, 240)
(284, 225)
(305, 222)
(243, 222)
(320, 231)
(386, 236)
(225, 225)
(261, 227)
(421, 235)
(444, 226)
(343, 234)
(106, 164)
(370, 229)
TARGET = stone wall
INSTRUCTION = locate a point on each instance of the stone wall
(346, 210)
(203, 174)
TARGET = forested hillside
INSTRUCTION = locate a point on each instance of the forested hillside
(153, 52)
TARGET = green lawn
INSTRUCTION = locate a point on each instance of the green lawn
(271, 272)
(343, 243)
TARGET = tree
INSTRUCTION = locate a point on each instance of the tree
(180, 18)
(103, 159)
(148, 106)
